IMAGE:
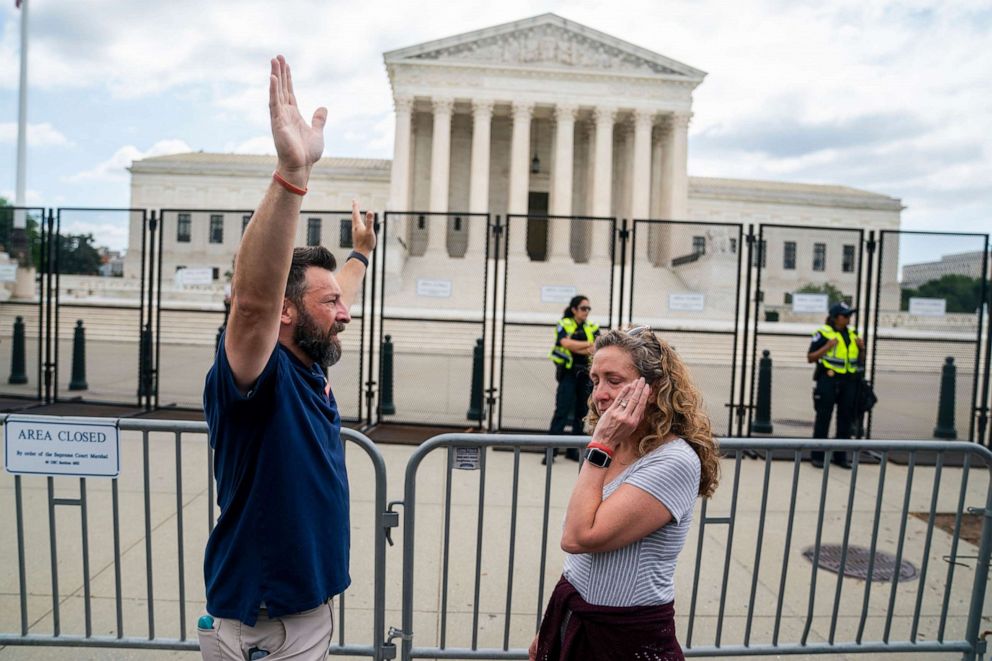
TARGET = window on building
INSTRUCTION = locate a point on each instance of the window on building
(760, 250)
(733, 246)
(216, 273)
(819, 257)
(313, 231)
(244, 223)
(848, 264)
(699, 245)
(458, 223)
(216, 228)
(789, 256)
(346, 233)
(183, 228)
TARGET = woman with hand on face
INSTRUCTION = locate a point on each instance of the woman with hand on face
(652, 453)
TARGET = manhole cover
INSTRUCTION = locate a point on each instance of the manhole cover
(856, 564)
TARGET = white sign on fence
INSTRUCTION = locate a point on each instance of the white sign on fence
(8, 272)
(808, 303)
(467, 459)
(84, 447)
(195, 276)
(434, 288)
(928, 307)
(687, 302)
(557, 294)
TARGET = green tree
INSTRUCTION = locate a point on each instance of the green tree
(963, 294)
(7, 226)
(78, 256)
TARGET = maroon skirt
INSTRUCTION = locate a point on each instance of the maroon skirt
(575, 630)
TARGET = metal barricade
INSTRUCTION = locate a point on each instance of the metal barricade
(141, 550)
(751, 578)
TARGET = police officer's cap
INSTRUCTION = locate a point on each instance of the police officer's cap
(841, 309)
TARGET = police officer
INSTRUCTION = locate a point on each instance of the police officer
(839, 354)
(574, 338)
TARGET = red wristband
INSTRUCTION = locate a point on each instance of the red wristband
(288, 186)
(600, 446)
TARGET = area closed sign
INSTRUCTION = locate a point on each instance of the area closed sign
(43, 445)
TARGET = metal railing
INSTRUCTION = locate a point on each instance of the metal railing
(121, 589)
(475, 506)
(778, 606)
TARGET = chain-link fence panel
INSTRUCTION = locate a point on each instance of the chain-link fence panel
(549, 261)
(926, 362)
(435, 284)
(21, 315)
(686, 284)
(800, 273)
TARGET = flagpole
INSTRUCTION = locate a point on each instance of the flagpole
(22, 119)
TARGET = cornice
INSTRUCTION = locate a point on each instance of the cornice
(708, 189)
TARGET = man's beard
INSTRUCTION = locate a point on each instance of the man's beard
(323, 348)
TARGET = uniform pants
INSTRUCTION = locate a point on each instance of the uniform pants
(828, 393)
(303, 636)
(572, 396)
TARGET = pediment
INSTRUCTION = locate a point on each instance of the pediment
(546, 41)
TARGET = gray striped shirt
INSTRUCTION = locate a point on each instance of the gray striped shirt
(643, 573)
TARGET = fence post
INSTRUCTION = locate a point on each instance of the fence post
(18, 372)
(475, 399)
(386, 406)
(145, 363)
(78, 381)
(762, 423)
(945, 407)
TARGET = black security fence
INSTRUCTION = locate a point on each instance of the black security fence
(455, 323)
(686, 284)
(22, 234)
(799, 272)
(927, 340)
(434, 283)
(549, 260)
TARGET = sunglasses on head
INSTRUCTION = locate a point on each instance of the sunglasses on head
(634, 332)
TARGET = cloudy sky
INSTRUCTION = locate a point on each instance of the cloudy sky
(890, 96)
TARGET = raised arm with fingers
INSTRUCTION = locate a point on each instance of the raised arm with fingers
(266, 250)
(350, 273)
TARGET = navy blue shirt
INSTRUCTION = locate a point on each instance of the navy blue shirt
(283, 535)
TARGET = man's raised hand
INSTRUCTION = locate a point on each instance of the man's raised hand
(362, 230)
(299, 145)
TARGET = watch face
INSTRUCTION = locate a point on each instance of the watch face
(597, 457)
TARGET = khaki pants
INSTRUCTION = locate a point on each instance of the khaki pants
(302, 637)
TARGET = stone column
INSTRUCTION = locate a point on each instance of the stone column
(678, 162)
(561, 182)
(519, 176)
(399, 192)
(640, 194)
(440, 175)
(478, 200)
(602, 192)
(399, 178)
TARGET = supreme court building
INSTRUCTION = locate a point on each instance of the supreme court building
(541, 117)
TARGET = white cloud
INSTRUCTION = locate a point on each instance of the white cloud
(261, 144)
(32, 198)
(114, 168)
(39, 135)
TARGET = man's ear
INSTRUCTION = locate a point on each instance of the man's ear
(288, 314)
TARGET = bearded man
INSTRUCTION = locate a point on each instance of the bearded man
(279, 552)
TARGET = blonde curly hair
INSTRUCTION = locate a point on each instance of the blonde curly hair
(677, 406)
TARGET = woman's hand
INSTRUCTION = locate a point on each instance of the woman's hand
(624, 415)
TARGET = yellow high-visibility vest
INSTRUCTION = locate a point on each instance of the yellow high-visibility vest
(560, 355)
(843, 358)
